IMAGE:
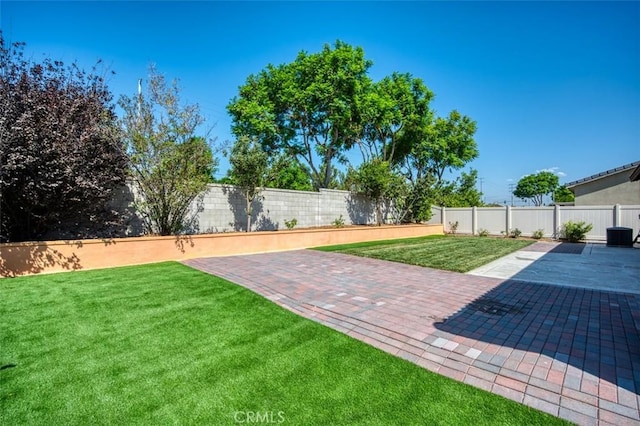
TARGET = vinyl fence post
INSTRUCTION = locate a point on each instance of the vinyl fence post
(474, 220)
(556, 222)
(443, 218)
(616, 215)
(508, 224)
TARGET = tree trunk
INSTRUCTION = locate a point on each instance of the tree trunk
(248, 211)
(378, 212)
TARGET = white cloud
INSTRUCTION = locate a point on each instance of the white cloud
(554, 170)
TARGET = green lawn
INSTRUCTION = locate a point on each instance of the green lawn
(447, 252)
(165, 344)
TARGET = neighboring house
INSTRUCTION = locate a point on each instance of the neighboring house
(616, 186)
(635, 176)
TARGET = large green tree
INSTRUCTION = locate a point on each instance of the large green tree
(563, 195)
(536, 186)
(321, 105)
(307, 108)
(427, 147)
(60, 155)
(402, 131)
(287, 173)
(461, 192)
(388, 108)
(170, 164)
(438, 144)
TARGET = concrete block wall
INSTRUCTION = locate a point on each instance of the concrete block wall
(222, 209)
(354, 209)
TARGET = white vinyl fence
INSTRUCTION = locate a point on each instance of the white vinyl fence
(502, 220)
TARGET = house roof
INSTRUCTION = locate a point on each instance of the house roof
(610, 172)
(635, 175)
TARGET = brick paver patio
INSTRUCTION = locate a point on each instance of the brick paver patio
(571, 352)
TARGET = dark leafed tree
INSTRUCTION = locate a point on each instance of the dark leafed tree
(307, 108)
(170, 165)
(60, 154)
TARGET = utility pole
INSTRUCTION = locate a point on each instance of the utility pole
(481, 193)
(139, 98)
(511, 188)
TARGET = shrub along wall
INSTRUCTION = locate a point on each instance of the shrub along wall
(502, 220)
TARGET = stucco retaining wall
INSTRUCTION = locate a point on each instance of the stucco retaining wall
(59, 256)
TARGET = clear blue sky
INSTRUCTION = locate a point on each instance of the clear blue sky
(552, 85)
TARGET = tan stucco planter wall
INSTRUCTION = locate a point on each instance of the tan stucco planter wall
(58, 256)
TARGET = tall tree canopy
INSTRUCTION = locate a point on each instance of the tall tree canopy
(170, 163)
(60, 154)
(320, 106)
(307, 108)
(536, 186)
(388, 109)
(438, 144)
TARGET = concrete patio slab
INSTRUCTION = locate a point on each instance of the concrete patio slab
(594, 266)
(570, 351)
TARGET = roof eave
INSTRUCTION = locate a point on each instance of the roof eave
(605, 174)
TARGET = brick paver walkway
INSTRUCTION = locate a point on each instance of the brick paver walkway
(571, 352)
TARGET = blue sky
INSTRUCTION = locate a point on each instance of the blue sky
(552, 85)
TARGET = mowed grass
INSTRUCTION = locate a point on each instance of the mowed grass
(165, 344)
(447, 252)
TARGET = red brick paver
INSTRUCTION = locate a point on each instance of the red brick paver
(571, 352)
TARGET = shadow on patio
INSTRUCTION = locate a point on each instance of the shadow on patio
(595, 331)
